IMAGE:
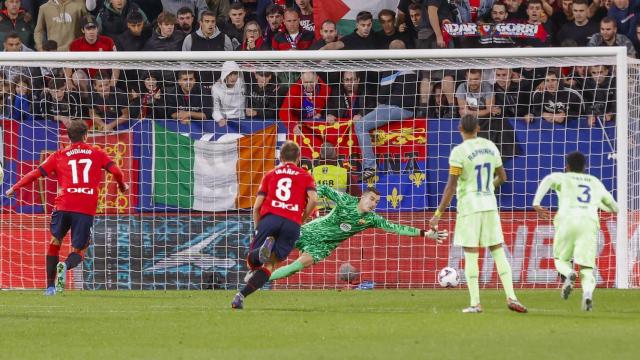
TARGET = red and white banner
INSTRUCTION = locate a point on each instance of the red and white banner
(397, 138)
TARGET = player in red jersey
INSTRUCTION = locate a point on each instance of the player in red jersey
(78, 168)
(286, 198)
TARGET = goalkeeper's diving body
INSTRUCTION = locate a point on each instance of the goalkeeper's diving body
(350, 216)
(576, 223)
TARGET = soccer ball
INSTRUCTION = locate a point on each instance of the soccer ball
(348, 272)
(448, 277)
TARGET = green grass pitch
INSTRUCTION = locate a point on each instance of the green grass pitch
(378, 324)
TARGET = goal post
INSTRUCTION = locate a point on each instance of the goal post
(187, 225)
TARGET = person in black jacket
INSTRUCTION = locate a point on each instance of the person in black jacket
(554, 102)
(112, 18)
(264, 96)
(600, 94)
(136, 35)
(58, 104)
(165, 38)
(350, 99)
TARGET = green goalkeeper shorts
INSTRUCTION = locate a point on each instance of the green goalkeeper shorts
(576, 239)
(318, 250)
(481, 229)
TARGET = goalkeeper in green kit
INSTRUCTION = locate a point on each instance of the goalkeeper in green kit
(350, 216)
(576, 223)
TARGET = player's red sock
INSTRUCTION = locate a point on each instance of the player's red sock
(259, 278)
(53, 256)
(73, 259)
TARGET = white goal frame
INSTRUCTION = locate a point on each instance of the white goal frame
(615, 55)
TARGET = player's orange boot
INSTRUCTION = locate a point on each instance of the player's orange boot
(515, 305)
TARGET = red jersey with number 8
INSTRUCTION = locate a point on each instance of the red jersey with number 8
(78, 168)
(285, 191)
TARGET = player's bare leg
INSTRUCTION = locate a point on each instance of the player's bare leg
(471, 273)
(304, 261)
(52, 259)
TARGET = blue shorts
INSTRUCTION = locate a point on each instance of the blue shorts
(81, 226)
(285, 231)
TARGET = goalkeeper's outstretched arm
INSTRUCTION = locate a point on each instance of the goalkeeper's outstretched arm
(386, 225)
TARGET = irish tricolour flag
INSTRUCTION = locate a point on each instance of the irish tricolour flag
(344, 12)
(209, 175)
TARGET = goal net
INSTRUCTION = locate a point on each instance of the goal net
(195, 132)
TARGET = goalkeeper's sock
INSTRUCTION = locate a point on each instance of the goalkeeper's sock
(564, 267)
(73, 260)
(504, 271)
(288, 270)
(53, 256)
(259, 278)
(588, 281)
(471, 273)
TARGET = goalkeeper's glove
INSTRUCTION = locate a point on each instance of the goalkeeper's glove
(438, 235)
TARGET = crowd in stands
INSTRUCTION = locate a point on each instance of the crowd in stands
(109, 99)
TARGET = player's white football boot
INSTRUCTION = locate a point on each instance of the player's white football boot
(61, 278)
(568, 285)
(473, 309)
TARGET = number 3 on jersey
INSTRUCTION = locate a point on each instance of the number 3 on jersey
(585, 197)
(85, 170)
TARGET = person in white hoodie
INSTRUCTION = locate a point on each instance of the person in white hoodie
(229, 94)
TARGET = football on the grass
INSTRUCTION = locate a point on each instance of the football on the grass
(448, 277)
(348, 272)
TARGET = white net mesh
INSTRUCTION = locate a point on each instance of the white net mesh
(194, 149)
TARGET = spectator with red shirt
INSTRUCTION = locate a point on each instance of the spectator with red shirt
(293, 37)
(252, 39)
(305, 101)
(14, 19)
(90, 41)
(306, 15)
(275, 23)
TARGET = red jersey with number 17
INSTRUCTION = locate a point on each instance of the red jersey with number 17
(79, 171)
(285, 191)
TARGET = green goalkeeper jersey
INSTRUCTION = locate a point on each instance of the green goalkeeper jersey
(475, 162)
(579, 195)
(345, 220)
